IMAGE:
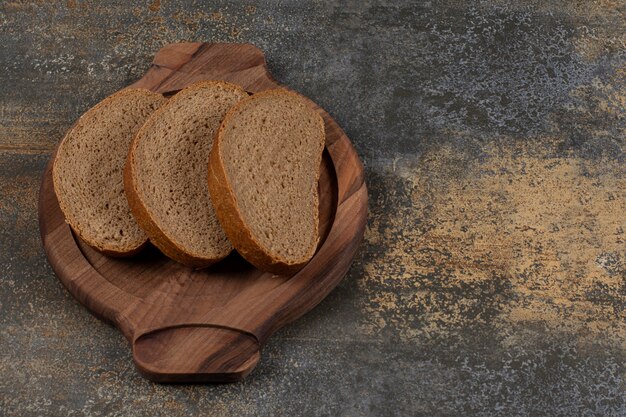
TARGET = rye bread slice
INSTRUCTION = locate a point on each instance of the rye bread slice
(166, 171)
(263, 173)
(88, 172)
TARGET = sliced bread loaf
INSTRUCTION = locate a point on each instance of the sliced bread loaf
(88, 172)
(263, 173)
(166, 171)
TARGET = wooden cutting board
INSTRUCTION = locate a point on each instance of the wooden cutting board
(186, 325)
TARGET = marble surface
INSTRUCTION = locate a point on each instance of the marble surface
(492, 277)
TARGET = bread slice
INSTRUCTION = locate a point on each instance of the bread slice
(88, 171)
(166, 171)
(263, 173)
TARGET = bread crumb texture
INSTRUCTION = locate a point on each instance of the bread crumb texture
(171, 166)
(271, 149)
(88, 170)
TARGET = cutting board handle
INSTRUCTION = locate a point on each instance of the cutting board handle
(195, 353)
(180, 64)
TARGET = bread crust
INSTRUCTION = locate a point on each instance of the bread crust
(227, 209)
(69, 218)
(144, 217)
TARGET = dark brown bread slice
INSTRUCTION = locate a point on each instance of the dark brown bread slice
(166, 171)
(88, 172)
(263, 173)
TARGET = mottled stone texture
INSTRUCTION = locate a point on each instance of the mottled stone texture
(492, 278)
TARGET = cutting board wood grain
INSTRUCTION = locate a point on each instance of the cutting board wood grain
(209, 325)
